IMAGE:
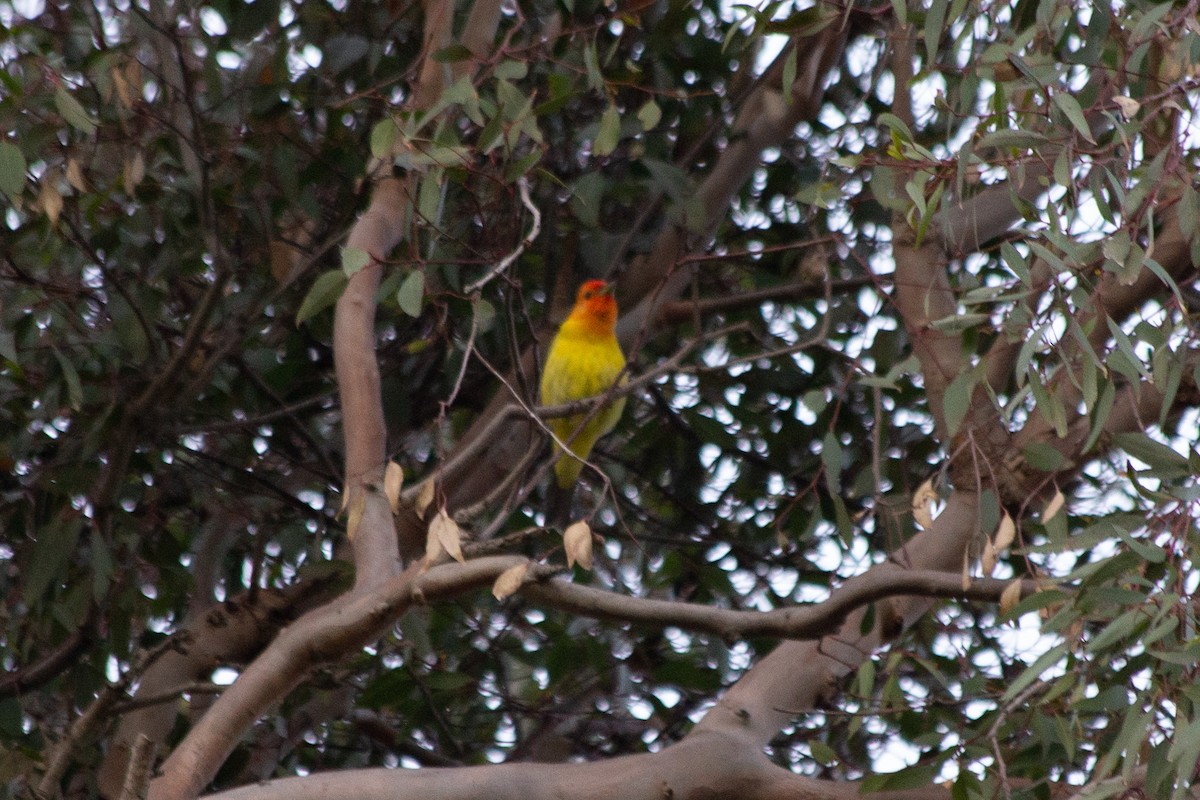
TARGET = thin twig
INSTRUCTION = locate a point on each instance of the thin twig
(535, 229)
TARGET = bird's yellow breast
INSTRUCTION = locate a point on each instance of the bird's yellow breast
(581, 365)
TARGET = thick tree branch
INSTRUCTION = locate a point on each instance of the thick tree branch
(321, 636)
(795, 622)
(231, 633)
(709, 766)
(378, 230)
(798, 677)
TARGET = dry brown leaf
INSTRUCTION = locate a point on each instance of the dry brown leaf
(1010, 596)
(135, 171)
(987, 561)
(50, 199)
(75, 175)
(1129, 107)
(509, 581)
(424, 498)
(393, 482)
(1054, 506)
(345, 500)
(966, 571)
(358, 504)
(1006, 532)
(433, 549)
(448, 534)
(923, 501)
(577, 542)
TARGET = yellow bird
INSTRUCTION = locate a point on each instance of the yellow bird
(585, 360)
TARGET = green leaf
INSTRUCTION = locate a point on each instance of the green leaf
(512, 70)
(485, 315)
(71, 376)
(12, 169)
(412, 293)
(1074, 112)
(325, 291)
(789, 74)
(1100, 414)
(935, 22)
(609, 133)
(1012, 138)
(592, 62)
(649, 115)
(1043, 456)
(73, 112)
(354, 259)
(453, 53)
(52, 552)
(1165, 461)
(383, 138)
(958, 322)
(957, 399)
(1034, 671)
(822, 753)
(833, 459)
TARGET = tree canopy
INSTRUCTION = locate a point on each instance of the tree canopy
(903, 499)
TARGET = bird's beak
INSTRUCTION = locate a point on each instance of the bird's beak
(608, 290)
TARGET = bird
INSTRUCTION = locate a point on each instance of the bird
(584, 360)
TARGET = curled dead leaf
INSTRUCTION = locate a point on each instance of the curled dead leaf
(1006, 532)
(923, 501)
(1129, 107)
(424, 498)
(448, 534)
(987, 561)
(577, 542)
(393, 482)
(1053, 507)
(433, 549)
(509, 581)
(50, 200)
(966, 571)
(1010, 597)
(135, 171)
(75, 175)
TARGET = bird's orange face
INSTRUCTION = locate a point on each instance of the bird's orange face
(595, 302)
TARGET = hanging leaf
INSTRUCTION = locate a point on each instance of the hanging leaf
(1006, 532)
(923, 502)
(412, 293)
(577, 543)
(354, 259)
(424, 498)
(609, 132)
(73, 112)
(448, 534)
(1010, 597)
(649, 115)
(393, 482)
(1054, 506)
(325, 291)
(12, 169)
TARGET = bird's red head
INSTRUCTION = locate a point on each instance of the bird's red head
(595, 305)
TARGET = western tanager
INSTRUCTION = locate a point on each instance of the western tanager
(585, 360)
